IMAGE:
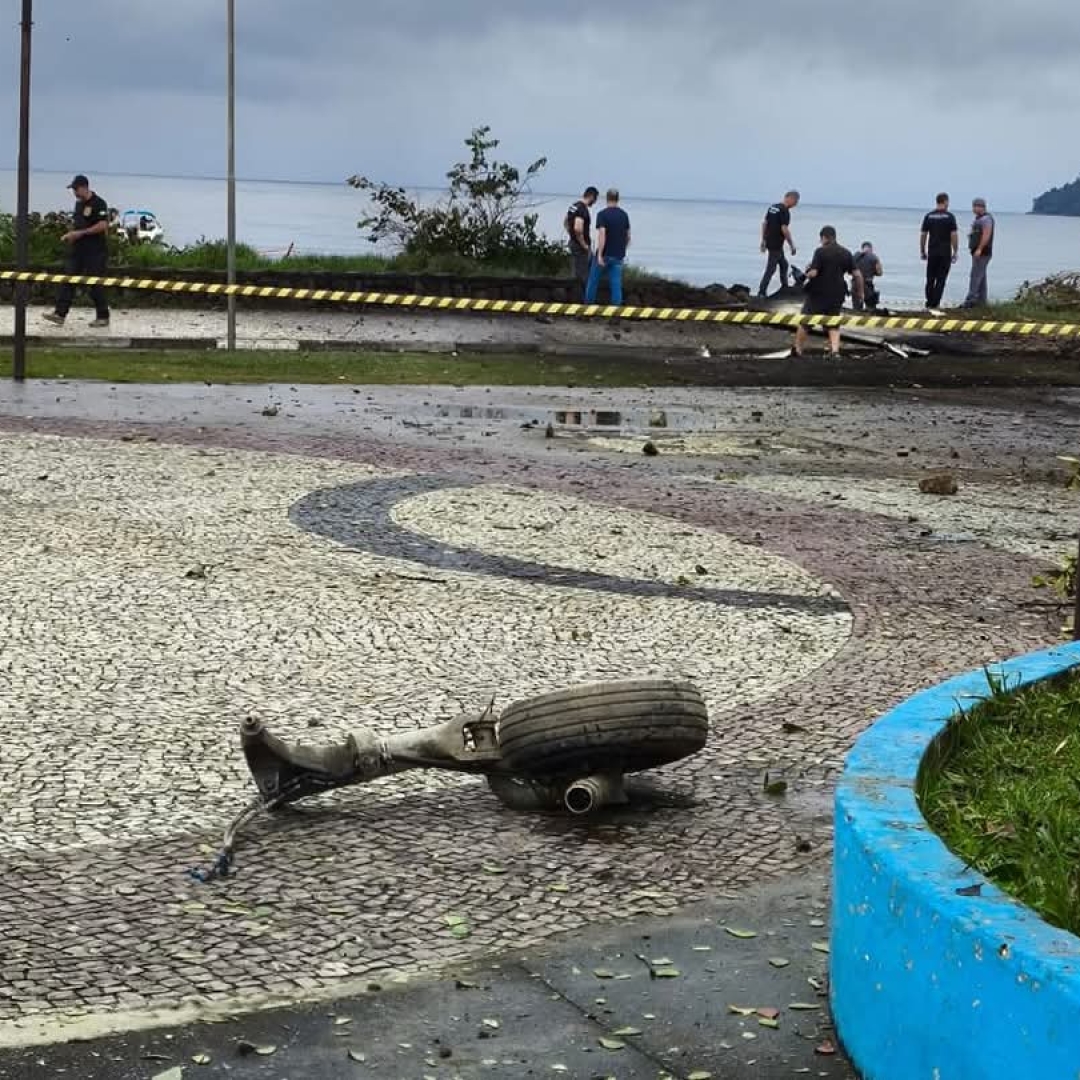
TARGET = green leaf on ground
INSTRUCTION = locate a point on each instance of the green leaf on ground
(612, 1044)
(627, 1032)
(820, 946)
(736, 932)
(779, 961)
(603, 973)
(667, 973)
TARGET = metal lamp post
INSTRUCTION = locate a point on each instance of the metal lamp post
(231, 182)
(22, 209)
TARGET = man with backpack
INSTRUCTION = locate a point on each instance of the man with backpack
(578, 224)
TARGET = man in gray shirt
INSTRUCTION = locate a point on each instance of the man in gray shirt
(981, 245)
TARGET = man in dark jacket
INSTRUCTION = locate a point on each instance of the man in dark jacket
(88, 252)
(578, 229)
(826, 287)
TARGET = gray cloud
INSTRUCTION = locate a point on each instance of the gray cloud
(851, 102)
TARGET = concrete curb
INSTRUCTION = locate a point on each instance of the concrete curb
(927, 984)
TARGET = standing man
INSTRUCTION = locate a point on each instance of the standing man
(577, 224)
(869, 266)
(88, 243)
(612, 242)
(775, 232)
(826, 287)
(939, 242)
(981, 246)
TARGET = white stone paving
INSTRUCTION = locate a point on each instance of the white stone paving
(123, 678)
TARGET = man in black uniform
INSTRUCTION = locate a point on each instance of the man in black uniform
(577, 224)
(826, 287)
(939, 241)
(88, 241)
(775, 231)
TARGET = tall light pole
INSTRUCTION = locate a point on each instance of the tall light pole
(22, 201)
(231, 182)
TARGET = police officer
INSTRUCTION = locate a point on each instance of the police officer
(89, 249)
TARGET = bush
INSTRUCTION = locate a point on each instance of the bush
(485, 218)
(45, 232)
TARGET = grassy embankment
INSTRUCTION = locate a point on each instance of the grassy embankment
(346, 368)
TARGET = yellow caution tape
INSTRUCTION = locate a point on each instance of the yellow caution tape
(531, 307)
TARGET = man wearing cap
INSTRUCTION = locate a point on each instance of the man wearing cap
(88, 243)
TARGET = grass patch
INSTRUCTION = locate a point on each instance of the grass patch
(375, 368)
(1004, 795)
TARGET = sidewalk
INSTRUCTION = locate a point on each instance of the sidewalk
(587, 1007)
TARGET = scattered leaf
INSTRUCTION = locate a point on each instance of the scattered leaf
(612, 1044)
(735, 932)
(816, 984)
(816, 923)
(701, 948)
(775, 787)
(455, 920)
(820, 946)
(491, 868)
(768, 1013)
(464, 984)
(460, 931)
(627, 1032)
(741, 1010)
(491, 1023)
(779, 961)
(663, 961)
(200, 1059)
(340, 1020)
(603, 973)
(559, 887)
(699, 1074)
(826, 1049)
(265, 1051)
(804, 1006)
(667, 973)
(768, 1022)
(355, 1055)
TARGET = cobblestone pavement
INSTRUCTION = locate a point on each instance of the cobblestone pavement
(166, 581)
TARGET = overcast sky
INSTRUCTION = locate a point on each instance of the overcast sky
(851, 101)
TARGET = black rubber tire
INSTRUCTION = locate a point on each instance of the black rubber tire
(629, 725)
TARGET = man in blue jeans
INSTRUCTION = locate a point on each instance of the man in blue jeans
(612, 240)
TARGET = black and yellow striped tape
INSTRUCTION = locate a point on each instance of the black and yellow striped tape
(531, 307)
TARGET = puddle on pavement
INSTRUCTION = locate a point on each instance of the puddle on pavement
(679, 419)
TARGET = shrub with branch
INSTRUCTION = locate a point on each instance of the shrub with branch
(486, 216)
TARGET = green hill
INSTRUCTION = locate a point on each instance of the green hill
(1060, 200)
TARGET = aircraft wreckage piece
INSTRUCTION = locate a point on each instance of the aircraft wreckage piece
(567, 749)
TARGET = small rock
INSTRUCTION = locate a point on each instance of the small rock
(649, 449)
(271, 410)
(940, 484)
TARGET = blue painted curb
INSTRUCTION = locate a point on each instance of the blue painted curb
(927, 984)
